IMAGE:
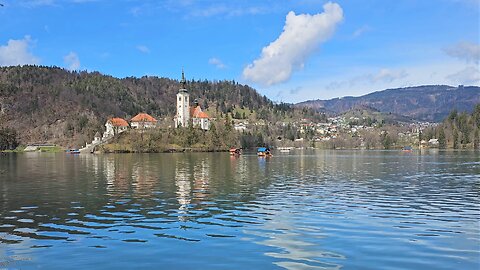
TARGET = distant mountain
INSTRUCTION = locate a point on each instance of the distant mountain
(364, 112)
(426, 103)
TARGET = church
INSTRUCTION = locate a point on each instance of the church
(187, 114)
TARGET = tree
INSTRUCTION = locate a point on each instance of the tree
(8, 139)
(441, 139)
(386, 140)
(228, 123)
(453, 115)
(476, 139)
(476, 115)
(455, 138)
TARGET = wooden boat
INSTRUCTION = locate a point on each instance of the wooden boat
(264, 152)
(235, 151)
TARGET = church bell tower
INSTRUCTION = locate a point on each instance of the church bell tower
(183, 108)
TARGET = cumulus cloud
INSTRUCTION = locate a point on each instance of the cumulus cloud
(301, 36)
(468, 76)
(217, 63)
(72, 61)
(17, 52)
(143, 49)
(467, 51)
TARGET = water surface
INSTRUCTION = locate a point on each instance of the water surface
(307, 209)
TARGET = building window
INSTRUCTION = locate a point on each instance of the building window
(179, 99)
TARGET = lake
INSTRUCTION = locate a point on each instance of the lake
(307, 209)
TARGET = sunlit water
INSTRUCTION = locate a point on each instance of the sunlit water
(303, 210)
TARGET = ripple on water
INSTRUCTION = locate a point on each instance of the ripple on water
(318, 210)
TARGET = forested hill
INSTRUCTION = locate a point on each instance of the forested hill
(428, 103)
(49, 104)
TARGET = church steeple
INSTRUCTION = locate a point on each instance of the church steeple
(183, 81)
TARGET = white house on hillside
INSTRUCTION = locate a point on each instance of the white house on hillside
(114, 126)
(143, 120)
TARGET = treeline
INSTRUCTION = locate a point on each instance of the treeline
(220, 137)
(50, 104)
(458, 130)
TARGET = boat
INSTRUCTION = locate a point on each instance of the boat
(235, 151)
(285, 149)
(264, 152)
(73, 151)
(407, 149)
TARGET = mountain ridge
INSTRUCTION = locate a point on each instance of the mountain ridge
(426, 102)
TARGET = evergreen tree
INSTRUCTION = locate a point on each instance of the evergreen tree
(476, 139)
(228, 123)
(441, 139)
(455, 138)
(453, 115)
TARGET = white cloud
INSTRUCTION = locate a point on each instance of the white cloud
(360, 31)
(468, 76)
(383, 76)
(225, 10)
(41, 3)
(301, 36)
(143, 49)
(217, 63)
(17, 52)
(72, 61)
(387, 75)
(136, 11)
(467, 51)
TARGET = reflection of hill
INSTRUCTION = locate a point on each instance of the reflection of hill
(294, 210)
(89, 194)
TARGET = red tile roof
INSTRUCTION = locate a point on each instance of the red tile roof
(202, 115)
(197, 113)
(118, 122)
(143, 117)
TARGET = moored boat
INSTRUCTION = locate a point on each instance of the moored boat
(235, 151)
(264, 152)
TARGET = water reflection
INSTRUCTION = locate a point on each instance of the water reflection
(184, 189)
(307, 209)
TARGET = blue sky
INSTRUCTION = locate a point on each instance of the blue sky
(288, 50)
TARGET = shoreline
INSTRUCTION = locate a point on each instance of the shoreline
(199, 150)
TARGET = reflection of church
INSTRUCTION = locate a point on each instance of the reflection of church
(185, 114)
